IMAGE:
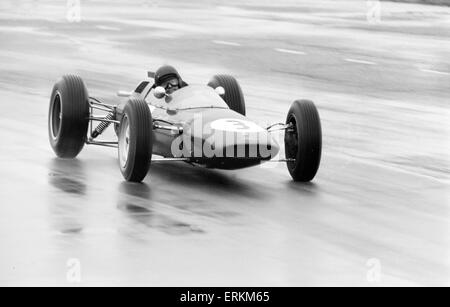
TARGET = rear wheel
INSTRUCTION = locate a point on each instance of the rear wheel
(303, 140)
(233, 93)
(68, 116)
(135, 140)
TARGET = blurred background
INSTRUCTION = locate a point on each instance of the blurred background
(376, 214)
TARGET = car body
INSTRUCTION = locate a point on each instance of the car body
(199, 124)
(205, 121)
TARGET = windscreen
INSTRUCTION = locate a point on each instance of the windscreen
(188, 97)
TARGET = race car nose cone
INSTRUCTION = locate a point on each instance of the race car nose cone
(241, 145)
(225, 134)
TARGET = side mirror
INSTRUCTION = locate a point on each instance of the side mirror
(220, 90)
(124, 94)
(160, 92)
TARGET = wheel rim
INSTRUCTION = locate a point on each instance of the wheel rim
(291, 141)
(56, 116)
(124, 142)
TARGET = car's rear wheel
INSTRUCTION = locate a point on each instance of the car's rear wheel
(303, 140)
(68, 117)
(135, 140)
(233, 93)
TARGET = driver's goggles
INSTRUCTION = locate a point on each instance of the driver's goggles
(172, 82)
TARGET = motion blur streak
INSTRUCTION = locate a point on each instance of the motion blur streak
(381, 194)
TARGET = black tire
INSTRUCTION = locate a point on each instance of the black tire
(137, 118)
(233, 93)
(303, 142)
(68, 117)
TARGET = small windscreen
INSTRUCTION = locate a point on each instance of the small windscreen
(192, 96)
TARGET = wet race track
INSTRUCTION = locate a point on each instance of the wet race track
(376, 214)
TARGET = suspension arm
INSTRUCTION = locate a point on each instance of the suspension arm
(105, 144)
(280, 126)
(104, 119)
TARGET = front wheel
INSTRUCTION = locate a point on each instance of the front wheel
(135, 140)
(303, 140)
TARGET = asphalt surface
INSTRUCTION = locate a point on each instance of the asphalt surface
(376, 214)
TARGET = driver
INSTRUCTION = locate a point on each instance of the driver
(169, 78)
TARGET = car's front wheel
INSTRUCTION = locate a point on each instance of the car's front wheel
(135, 140)
(303, 140)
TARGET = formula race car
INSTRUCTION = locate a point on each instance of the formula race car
(202, 125)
